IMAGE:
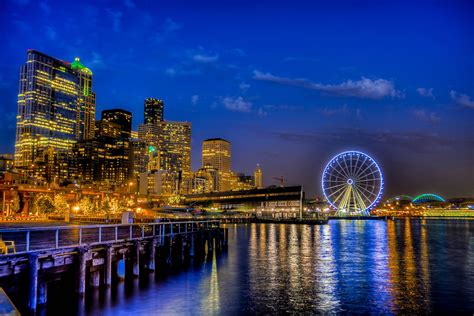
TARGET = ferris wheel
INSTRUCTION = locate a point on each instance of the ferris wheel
(352, 183)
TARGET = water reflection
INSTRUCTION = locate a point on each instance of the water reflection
(210, 288)
(368, 267)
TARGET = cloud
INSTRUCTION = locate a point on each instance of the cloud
(244, 86)
(45, 7)
(194, 99)
(331, 111)
(462, 99)
(116, 17)
(182, 70)
(424, 92)
(50, 33)
(364, 88)
(238, 52)
(170, 71)
(171, 26)
(97, 60)
(281, 107)
(425, 116)
(237, 104)
(129, 4)
(22, 26)
(206, 59)
(414, 142)
(262, 112)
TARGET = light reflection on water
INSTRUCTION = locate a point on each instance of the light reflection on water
(378, 267)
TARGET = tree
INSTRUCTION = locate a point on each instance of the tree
(86, 206)
(60, 204)
(43, 205)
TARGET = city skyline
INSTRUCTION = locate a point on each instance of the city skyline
(415, 123)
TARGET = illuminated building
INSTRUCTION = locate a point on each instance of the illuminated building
(103, 160)
(240, 181)
(6, 162)
(150, 134)
(86, 100)
(109, 157)
(89, 161)
(56, 108)
(205, 180)
(120, 117)
(153, 111)
(139, 150)
(285, 201)
(107, 129)
(134, 135)
(216, 152)
(175, 156)
(258, 177)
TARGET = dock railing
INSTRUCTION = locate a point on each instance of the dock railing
(36, 239)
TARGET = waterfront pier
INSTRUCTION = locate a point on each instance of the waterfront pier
(95, 255)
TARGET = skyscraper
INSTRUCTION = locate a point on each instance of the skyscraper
(153, 111)
(109, 157)
(257, 175)
(120, 117)
(149, 133)
(56, 108)
(175, 155)
(216, 152)
(86, 100)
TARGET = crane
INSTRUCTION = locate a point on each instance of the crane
(281, 179)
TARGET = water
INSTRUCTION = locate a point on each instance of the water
(376, 267)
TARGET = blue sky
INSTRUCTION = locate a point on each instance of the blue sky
(290, 84)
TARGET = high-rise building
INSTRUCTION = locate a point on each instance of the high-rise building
(56, 108)
(216, 152)
(149, 133)
(86, 100)
(258, 177)
(107, 129)
(175, 155)
(120, 117)
(109, 157)
(153, 111)
(139, 150)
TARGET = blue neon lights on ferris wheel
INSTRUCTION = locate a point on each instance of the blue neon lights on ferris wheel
(335, 159)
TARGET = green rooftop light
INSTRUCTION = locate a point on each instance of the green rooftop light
(77, 65)
(151, 149)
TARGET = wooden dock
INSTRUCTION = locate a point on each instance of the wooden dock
(94, 253)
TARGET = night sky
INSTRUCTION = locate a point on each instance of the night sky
(289, 85)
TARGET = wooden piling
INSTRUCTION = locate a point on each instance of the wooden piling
(169, 254)
(34, 266)
(108, 266)
(81, 289)
(95, 278)
(152, 255)
(209, 242)
(42, 293)
(136, 260)
(191, 246)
